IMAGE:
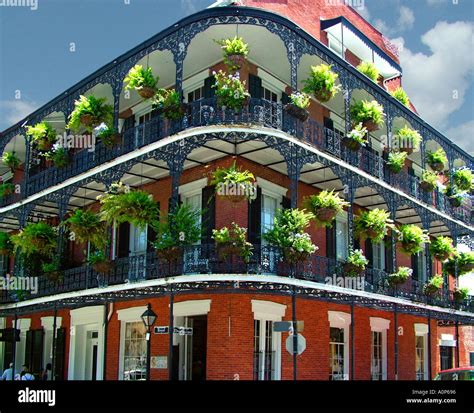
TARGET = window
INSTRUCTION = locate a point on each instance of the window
(196, 94)
(270, 95)
(3, 265)
(269, 207)
(378, 258)
(264, 350)
(272, 196)
(447, 357)
(342, 236)
(191, 193)
(336, 354)
(420, 358)
(134, 358)
(376, 369)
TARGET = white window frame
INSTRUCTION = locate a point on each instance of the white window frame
(380, 246)
(271, 83)
(421, 330)
(269, 311)
(194, 82)
(339, 319)
(381, 325)
(342, 218)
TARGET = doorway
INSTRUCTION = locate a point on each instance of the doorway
(138, 249)
(92, 348)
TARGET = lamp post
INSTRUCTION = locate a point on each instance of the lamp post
(148, 318)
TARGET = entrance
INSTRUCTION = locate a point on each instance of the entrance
(92, 348)
(447, 357)
(189, 352)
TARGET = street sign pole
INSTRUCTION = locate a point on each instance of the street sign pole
(14, 344)
(295, 333)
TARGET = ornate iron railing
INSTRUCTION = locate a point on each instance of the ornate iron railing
(208, 259)
(260, 112)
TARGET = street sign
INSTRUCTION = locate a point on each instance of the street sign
(286, 326)
(6, 334)
(300, 346)
(181, 331)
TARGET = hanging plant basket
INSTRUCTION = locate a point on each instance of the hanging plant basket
(323, 95)
(170, 254)
(407, 150)
(353, 270)
(325, 214)
(395, 281)
(103, 267)
(455, 202)
(237, 60)
(458, 296)
(429, 289)
(146, 92)
(351, 144)
(370, 125)
(427, 186)
(292, 256)
(226, 250)
(87, 119)
(466, 268)
(5, 251)
(297, 112)
(44, 145)
(437, 166)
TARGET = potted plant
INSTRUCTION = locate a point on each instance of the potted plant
(288, 234)
(85, 226)
(442, 248)
(230, 90)
(43, 135)
(396, 161)
(400, 94)
(408, 140)
(179, 228)
(6, 188)
(400, 277)
(169, 103)
(356, 138)
(369, 70)
(141, 80)
(464, 179)
(437, 160)
(433, 285)
(232, 241)
(100, 262)
(322, 83)
(325, 206)
(6, 246)
(455, 197)
(233, 183)
(428, 181)
(355, 263)
(460, 294)
(59, 156)
(120, 204)
(373, 224)
(464, 260)
(412, 238)
(90, 112)
(299, 103)
(235, 52)
(369, 113)
(37, 238)
(11, 160)
(52, 271)
(109, 137)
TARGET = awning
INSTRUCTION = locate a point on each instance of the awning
(345, 35)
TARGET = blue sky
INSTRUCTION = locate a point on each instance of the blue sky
(436, 35)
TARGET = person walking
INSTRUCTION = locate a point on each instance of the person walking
(8, 373)
(26, 374)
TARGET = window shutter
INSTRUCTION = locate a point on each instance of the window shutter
(29, 348)
(414, 266)
(209, 91)
(60, 353)
(255, 218)
(123, 240)
(328, 123)
(129, 123)
(209, 213)
(369, 252)
(285, 99)
(255, 86)
(331, 241)
(36, 364)
(388, 255)
(151, 235)
(286, 203)
(357, 243)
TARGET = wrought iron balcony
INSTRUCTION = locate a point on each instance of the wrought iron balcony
(208, 259)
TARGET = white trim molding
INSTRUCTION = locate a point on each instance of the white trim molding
(420, 329)
(87, 315)
(22, 324)
(191, 307)
(339, 319)
(192, 188)
(48, 322)
(271, 189)
(131, 314)
(268, 310)
(379, 324)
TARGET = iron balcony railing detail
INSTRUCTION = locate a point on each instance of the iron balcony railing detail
(208, 259)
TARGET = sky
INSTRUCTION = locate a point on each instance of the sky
(37, 62)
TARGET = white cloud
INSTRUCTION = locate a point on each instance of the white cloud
(406, 18)
(188, 6)
(405, 21)
(436, 2)
(364, 12)
(15, 110)
(462, 136)
(437, 82)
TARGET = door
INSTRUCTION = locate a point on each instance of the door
(193, 349)
(91, 358)
(138, 249)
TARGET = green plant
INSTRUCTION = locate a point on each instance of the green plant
(37, 238)
(373, 224)
(356, 138)
(230, 90)
(407, 139)
(90, 112)
(429, 180)
(109, 137)
(412, 238)
(6, 188)
(464, 260)
(460, 294)
(86, 226)
(59, 156)
(141, 80)
(6, 246)
(234, 51)
(169, 102)
(135, 207)
(437, 160)
(181, 227)
(288, 234)
(454, 195)
(400, 94)
(433, 285)
(370, 70)
(233, 240)
(300, 100)
(355, 263)
(52, 270)
(400, 276)
(233, 182)
(11, 160)
(396, 161)
(322, 83)
(99, 261)
(325, 206)
(369, 113)
(464, 179)
(442, 248)
(43, 135)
